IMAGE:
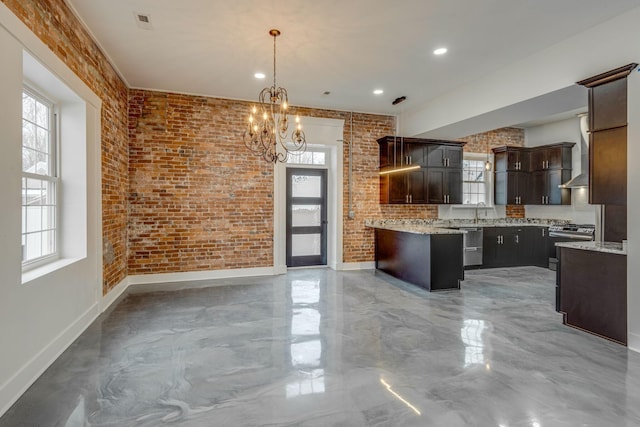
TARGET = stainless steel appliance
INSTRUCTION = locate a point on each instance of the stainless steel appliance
(472, 246)
(567, 233)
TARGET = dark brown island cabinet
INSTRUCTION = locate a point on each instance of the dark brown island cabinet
(438, 180)
(593, 292)
(431, 261)
(532, 175)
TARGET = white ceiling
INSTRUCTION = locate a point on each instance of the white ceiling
(347, 47)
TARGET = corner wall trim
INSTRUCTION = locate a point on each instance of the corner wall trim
(15, 386)
(633, 342)
(114, 294)
(353, 266)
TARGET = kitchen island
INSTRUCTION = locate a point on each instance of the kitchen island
(424, 255)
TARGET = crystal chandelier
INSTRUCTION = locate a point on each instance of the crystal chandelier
(266, 133)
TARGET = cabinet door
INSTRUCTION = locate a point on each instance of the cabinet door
(524, 188)
(538, 187)
(397, 188)
(608, 167)
(556, 195)
(489, 247)
(436, 185)
(454, 186)
(513, 189)
(538, 159)
(417, 186)
(608, 105)
(436, 156)
(554, 157)
(454, 157)
(416, 154)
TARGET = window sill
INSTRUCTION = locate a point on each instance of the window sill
(472, 207)
(37, 272)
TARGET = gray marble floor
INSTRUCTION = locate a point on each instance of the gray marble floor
(325, 348)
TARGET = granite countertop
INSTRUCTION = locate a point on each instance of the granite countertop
(415, 228)
(608, 247)
(455, 223)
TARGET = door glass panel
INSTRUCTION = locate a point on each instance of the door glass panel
(306, 186)
(305, 244)
(305, 215)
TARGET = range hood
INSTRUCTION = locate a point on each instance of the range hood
(582, 179)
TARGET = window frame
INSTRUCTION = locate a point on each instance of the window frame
(488, 180)
(53, 177)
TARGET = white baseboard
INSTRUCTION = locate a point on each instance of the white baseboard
(354, 266)
(114, 294)
(202, 275)
(633, 342)
(15, 386)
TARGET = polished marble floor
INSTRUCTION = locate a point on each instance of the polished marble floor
(323, 348)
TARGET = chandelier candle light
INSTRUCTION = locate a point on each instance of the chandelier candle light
(266, 133)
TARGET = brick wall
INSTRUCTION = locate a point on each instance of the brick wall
(197, 200)
(54, 23)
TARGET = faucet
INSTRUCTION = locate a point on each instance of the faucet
(475, 214)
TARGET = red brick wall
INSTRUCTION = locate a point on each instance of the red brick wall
(54, 23)
(197, 199)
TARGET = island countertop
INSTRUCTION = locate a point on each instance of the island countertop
(458, 223)
(415, 228)
(608, 247)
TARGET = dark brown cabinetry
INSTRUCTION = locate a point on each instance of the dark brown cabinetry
(593, 292)
(437, 181)
(531, 176)
(608, 136)
(514, 246)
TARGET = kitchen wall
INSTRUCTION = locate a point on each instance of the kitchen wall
(482, 143)
(568, 130)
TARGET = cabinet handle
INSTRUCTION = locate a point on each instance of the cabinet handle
(410, 160)
(543, 200)
(410, 198)
(517, 238)
(498, 239)
(543, 233)
(406, 198)
(502, 240)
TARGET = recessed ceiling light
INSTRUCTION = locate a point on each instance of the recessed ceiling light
(440, 51)
(259, 75)
(378, 92)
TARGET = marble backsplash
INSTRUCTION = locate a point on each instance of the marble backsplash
(480, 222)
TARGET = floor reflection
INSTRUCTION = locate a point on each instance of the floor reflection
(471, 334)
(306, 349)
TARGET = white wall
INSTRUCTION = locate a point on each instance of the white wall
(580, 211)
(41, 317)
(554, 69)
(633, 211)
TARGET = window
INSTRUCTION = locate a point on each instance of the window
(308, 157)
(476, 181)
(39, 179)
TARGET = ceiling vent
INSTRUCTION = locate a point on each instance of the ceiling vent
(143, 20)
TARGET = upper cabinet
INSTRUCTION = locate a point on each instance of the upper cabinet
(608, 136)
(531, 176)
(437, 181)
(554, 156)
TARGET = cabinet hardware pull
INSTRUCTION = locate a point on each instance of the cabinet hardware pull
(543, 232)
(498, 239)
(406, 198)
(517, 238)
(410, 160)
(410, 198)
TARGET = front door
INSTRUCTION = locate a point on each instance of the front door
(306, 217)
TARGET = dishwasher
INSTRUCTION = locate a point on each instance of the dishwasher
(472, 246)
